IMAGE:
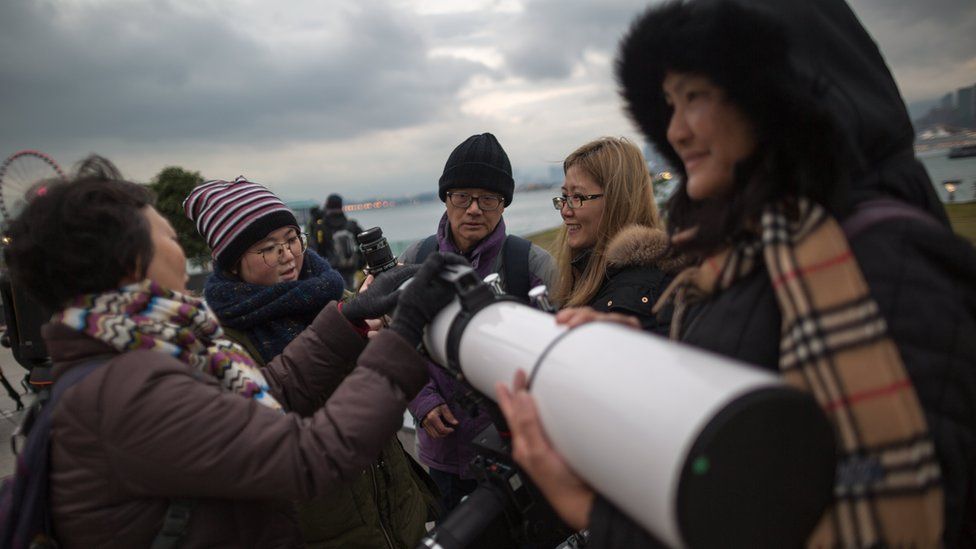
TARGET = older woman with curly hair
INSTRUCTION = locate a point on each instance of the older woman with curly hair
(165, 421)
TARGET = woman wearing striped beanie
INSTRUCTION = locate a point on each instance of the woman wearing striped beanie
(267, 288)
(266, 285)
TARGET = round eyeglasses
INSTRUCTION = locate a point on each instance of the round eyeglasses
(272, 252)
(486, 202)
(574, 202)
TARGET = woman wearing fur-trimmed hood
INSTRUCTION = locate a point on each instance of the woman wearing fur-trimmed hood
(613, 252)
(823, 254)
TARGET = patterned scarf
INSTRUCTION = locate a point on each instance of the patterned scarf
(482, 257)
(834, 344)
(145, 316)
(272, 316)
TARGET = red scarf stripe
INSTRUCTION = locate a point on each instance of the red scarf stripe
(843, 257)
(855, 398)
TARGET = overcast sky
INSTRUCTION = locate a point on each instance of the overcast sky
(361, 97)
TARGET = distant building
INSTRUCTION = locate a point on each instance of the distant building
(946, 103)
(966, 106)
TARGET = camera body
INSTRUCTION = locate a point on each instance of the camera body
(376, 250)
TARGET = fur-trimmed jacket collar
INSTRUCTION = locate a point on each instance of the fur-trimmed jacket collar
(642, 246)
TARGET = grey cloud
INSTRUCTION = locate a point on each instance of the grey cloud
(154, 73)
(551, 36)
(913, 33)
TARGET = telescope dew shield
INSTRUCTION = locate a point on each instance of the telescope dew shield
(699, 449)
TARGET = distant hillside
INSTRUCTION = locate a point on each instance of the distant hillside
(918, 109)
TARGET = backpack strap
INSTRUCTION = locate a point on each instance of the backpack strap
(25, 506)
(174, 524)
(871, 212)
(515, 254)
(427, 247)
(71, 377)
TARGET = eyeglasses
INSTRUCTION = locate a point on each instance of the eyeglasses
(486, 202)
(273, 252)
(575, 201)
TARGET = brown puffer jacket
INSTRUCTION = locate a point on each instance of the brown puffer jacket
(144, 429)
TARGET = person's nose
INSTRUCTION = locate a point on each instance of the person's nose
(565, 211)
(284, 249)
(473, 208)
(678, 131)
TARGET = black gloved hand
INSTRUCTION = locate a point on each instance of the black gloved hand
(426, 295)
(381, 296)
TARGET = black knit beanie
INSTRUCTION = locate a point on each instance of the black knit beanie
(480, 163)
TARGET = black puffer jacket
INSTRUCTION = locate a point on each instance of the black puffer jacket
(924, 280)
(638, 272)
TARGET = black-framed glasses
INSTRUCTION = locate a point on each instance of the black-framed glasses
(486, 202)
(574, 201)
(272, 252)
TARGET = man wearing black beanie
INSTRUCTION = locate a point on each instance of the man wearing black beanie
(476, 187)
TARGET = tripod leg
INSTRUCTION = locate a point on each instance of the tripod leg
(11, 391)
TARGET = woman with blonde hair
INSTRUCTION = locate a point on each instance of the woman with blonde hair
(613, 251)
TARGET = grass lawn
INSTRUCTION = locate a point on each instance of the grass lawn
(545, 239)
(961, 215)
(963, 219)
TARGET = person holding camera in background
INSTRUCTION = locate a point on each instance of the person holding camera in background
(476, 187)
(268, 287)
(165, 414)
(823, 253)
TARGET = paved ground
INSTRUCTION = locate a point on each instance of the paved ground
(9, 416)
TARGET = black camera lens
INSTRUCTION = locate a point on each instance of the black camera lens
(376, 250)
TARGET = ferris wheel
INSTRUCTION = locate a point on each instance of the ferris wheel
(19, 173)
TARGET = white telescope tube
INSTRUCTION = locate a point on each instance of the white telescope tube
(698, 449)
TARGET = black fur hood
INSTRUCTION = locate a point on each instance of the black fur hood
(762, 51)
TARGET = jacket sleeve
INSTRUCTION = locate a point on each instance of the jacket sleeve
(169, 431)
(311, 367)
(429, 397)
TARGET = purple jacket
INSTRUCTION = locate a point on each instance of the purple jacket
(453, 453)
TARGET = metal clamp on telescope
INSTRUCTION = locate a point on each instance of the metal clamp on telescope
(474, 294)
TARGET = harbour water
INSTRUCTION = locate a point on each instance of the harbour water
(532, 212)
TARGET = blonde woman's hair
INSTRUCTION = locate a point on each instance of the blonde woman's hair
(618, 167)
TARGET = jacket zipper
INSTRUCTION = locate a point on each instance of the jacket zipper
(379, 510)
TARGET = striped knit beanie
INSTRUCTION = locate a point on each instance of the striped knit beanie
(233, 215)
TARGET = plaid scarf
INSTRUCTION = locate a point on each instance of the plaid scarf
(834, 344)
(145, 316)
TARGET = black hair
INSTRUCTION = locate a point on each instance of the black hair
(799, 148)
(80, 236)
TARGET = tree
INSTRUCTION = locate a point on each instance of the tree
(172, 185)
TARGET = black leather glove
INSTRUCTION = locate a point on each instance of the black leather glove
(381, 296)
(426, 295)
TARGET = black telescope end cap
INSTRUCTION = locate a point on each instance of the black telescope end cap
(760, 474)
